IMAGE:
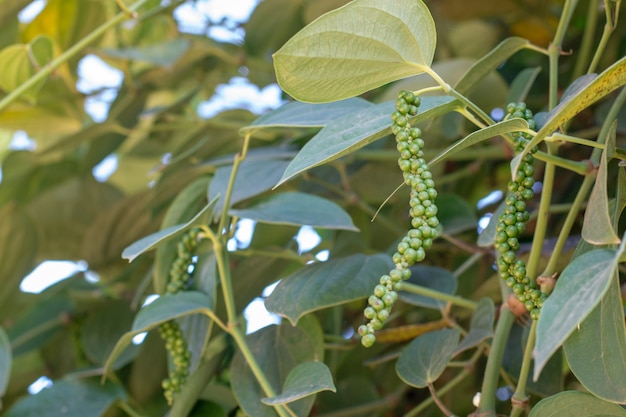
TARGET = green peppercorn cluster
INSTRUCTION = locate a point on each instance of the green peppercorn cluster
(512, 222)
(179, 271)
(423, 212)
(175, 344)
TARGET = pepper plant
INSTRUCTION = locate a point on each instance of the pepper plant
(421, 298)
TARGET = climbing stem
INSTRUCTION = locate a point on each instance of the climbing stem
(487, 405)
(520, 397)
(587, 41)
(609, 27)
(554, 51)
(566, 228)
(231, 182)
(233, 325)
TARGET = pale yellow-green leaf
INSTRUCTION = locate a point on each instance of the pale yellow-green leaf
(358, 47)
(19, 62)
(56, 20)
(608, 81)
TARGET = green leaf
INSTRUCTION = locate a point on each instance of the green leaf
(152, 241)
(597, 225)
(500, 128)
(608, 81)
(426, 357)
(102, 328)
(577, 292)
(5, 362)
(278, 350)
(165, 308)
(18, 246)
(551, 380)
(490, 62)
(346, 134)
(596, 351)
(19, 62)
(431, 277)
(298, 114)
(164, 53)
(455, 214)
(305, 379)
(327, 284)
(63, 213)
(521, 84)
(575, 403)
(39, 323)
(69, 397)
(343, 53)
(299, 209)
(481, 326)
(265, 173)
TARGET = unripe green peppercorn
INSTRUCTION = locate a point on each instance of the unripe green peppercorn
(423, 212)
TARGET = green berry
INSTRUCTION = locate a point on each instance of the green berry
(368, 340)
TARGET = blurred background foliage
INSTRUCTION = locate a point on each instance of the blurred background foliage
(52, 207)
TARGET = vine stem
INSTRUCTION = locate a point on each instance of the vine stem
(520, 398)
(554, 50)
(427, 292)
(233, 326)
(441, 405)
(70, 53)
(586, 44)
(487, 405)
(543, 214)
(609, 27)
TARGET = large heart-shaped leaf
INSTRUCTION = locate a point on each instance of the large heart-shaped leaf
(426, 357)
(327, 284)
(358, 47)
(577, 292)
